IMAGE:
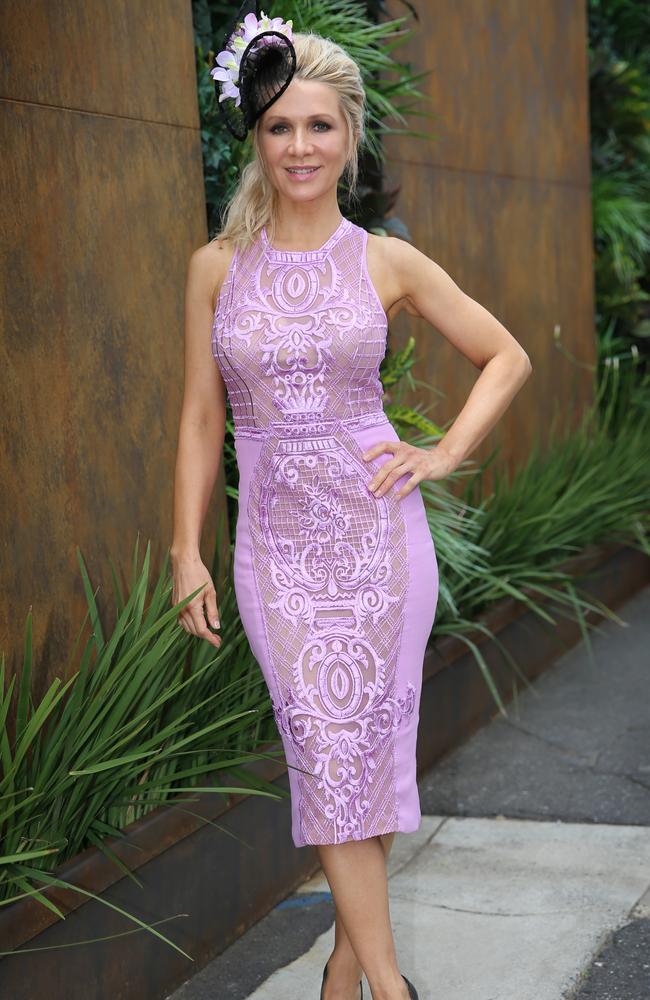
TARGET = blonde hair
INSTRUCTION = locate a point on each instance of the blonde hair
(254, 201)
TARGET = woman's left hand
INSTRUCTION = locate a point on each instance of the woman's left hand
(424, 463)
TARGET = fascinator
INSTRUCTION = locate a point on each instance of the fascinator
(253, 68)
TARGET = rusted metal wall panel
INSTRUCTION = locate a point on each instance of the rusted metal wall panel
(103, 204)
(500, 197)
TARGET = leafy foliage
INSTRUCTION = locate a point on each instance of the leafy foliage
(149, 714)
(619, 81)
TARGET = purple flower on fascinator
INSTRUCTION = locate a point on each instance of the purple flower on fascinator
(229, 59)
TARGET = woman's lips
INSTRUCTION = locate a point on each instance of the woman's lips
(303, 175)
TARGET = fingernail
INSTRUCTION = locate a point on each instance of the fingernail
(215, 623)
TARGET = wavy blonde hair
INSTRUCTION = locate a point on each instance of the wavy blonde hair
(254, 202)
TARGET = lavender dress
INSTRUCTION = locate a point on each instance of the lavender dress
(337, 589)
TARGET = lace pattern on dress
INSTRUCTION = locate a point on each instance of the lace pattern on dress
(299, 337)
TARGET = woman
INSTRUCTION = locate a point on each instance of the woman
(335, 570)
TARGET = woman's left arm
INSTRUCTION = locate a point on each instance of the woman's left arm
(504, 365)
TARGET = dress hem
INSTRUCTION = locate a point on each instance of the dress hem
(401, 828)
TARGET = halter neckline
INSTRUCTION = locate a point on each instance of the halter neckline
(300, 255)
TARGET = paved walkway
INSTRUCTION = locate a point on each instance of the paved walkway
(529, 878)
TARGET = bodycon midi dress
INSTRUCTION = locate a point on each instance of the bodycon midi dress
(336, 588)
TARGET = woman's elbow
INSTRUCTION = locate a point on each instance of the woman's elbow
(520, 361)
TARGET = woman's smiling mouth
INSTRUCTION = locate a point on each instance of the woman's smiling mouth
(300, 173)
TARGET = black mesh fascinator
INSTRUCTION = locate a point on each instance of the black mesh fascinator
(254, 67)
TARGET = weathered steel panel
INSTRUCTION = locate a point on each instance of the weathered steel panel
(500, 197)
(132, 58)
(103, 204)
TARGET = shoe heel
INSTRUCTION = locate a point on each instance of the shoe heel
(413, 993)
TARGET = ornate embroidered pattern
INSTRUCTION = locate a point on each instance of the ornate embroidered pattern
(299, 338)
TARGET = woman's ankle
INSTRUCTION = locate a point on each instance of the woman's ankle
(343, 961)
(388, 986)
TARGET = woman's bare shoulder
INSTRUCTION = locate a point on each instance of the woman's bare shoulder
(394, 250)
(396, 263)
(212, 261)
(385, 259)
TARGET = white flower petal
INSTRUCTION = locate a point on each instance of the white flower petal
(226, 58)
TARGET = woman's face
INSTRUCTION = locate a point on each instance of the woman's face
(304, 127)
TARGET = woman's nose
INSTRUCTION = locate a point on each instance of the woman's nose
(300, 142)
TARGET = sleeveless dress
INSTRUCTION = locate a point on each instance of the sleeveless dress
(336, 588)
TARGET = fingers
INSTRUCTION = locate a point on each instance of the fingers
(392, 470)
(380, 485)
(192, 619)
(410, 486)
(407, 459)
(211, 609)
(378, 449)
(374, 452)
(185, 620)
(193, 579)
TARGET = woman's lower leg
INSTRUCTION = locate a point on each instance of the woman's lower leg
(356, 872)
(343, 967)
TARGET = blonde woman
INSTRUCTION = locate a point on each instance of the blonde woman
(335, 570)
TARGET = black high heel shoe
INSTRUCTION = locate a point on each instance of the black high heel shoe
(413, 993)
(322, 985)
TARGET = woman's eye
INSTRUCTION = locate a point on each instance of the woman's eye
(325, 125)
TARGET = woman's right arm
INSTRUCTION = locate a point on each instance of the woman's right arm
(200, 440)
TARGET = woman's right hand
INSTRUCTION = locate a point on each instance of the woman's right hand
(190, 573)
